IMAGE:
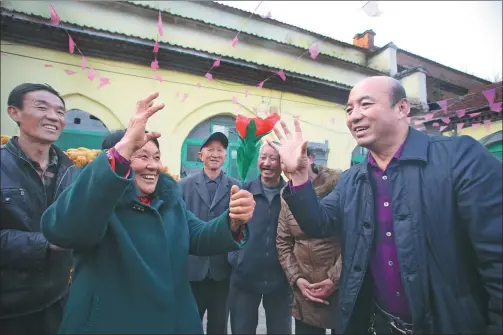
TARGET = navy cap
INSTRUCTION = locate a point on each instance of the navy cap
(217, 136)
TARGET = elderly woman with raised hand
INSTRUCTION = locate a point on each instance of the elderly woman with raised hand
(131, 234)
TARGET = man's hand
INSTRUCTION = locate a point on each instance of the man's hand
(293, 153)
(135, 137)
(56, 248)
(323, 289)
(303, 286)
(241, 207)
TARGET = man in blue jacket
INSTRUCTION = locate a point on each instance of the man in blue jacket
(34, 172)
(257, 275)
(420, 221)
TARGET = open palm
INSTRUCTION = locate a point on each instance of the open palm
(292, 149)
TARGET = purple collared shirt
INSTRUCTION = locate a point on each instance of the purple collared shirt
(389, 292)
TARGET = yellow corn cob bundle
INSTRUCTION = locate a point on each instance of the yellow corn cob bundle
(5, 139)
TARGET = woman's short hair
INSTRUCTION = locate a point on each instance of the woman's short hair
(114, 137)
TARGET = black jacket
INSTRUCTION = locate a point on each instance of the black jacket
(31, 276)
(256, 267)
(446, 196)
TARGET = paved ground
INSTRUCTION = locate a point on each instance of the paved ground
(261, 328)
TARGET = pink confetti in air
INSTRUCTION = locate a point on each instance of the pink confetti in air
(490, 94)
(428, 117)
(446, 120)
(235, 100)
(436, 124)
(83, 63)
(70, 72)
(209, 76)
(198, 84)
(71, 44)
(281, 74)
(160, 28)
(156, 46)
(47, 65)
(459, 126)
(460, 113)
(443, 105)
(261, 84)
(185, 96)
(314, 51)
(475, 114)
(54, 16)
(487, 124)
(235, 41)
(104, 81)
(217, 62)
(154, 65)
(442, 128)
(496, 107)
(475, 126)
(158, 77)
(91, 74)
(246, 94)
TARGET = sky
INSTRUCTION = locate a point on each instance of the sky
(464, 35)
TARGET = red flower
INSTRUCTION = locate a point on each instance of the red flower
(263, 125)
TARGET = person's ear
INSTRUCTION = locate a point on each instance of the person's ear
(404, 108)
(200, 155)
(14, 113)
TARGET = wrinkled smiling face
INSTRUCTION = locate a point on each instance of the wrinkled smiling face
(213, 155)
(42, 117)
(146, 163)
(269, 163)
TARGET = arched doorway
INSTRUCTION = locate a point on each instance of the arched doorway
(82, 130)
(190, 162)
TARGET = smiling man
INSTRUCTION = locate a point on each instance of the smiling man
(207, 195)
(419, 221)
(34, 172)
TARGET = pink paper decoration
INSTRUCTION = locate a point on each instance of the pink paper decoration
(83, 63)
(475, 126)
(209, 76)
(235, 41)
(428, 116)
(442, 128)
(71, 44)
(47, 65)
(70, 72)
(446, 120)
(281, 74)
(216, 63)
(490, 94)
(435, 124)
(235, 100)
(160, 28)
(154, 65)
(475, 114)
(314, 51)
(496, 107)
(158, 77)
(54, 16)
(156, 46)
(91, 74)
(459, 126)
(460, 113)
(261, 84)
(104, 81)
(443, 105)
(487, 124)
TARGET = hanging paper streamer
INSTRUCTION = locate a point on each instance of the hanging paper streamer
(160, 28)
(70, 72)
(209, 76)
(487, 124)
(71, 44)
(250, 131)
(261, 84)
(216, 63)
(475, 126)
(475, 114)
(459, 126)
(443, 105)
(446, 120)
(154, 65)
(281, 74)
(428, 116)
(490, 95)
(158, 77)
(496, 107)
(235, 41)
(314, 51)
(156, 47)
(91, 74)
(460, 113)
(54, 16)
(435, 124)
(104, 81)
(83, 63)
(442, 128)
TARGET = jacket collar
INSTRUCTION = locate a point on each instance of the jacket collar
(167, 191)
(256, 187)
(415, 148)
(224, 186)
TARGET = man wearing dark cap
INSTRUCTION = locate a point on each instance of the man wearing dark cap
(207, 195)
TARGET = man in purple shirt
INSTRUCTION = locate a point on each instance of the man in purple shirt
(419, 221)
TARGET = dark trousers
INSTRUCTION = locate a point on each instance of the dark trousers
(307, 329)
(44, 322)
(212, 297)
(244, 307)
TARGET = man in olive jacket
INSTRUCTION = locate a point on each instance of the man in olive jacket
(34, 273)
(419, 221)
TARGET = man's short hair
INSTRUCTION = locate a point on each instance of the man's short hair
(397, 92)
(16, 96)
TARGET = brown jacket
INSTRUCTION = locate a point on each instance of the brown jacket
(312, 259)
